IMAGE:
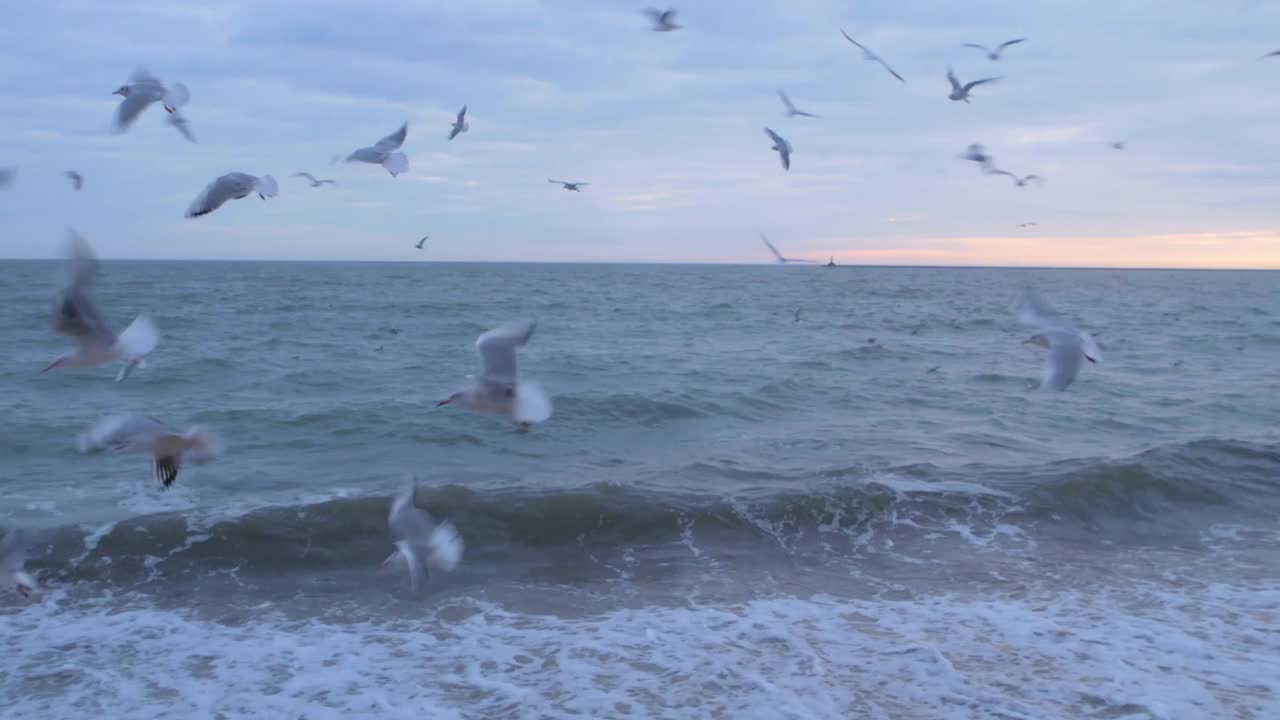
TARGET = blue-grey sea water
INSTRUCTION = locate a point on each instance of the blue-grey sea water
(871, 512)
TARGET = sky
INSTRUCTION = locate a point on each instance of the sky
(667, 127)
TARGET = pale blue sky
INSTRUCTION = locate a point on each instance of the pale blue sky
(668, 128)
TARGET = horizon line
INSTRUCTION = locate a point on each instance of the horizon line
(816, 265)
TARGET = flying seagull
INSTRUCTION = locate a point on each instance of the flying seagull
(791, 109)
(779, 255)
(140, 92)
(1026, 224)
(782, 146)
(663, 20)
(231, 186)
(868, 55)
(1273, 53)
(1119, 144)
(311, 179)
(1068, 347)
(76, 316)
(77, 180)
(167, 446)
(961, 92)
(994, 55)
(8, 176)
(460, 124)
(1019, 181)
(13, 558)
(574, 186)
(420, 542)
(424, 239)
(498, 390)
(384, 152)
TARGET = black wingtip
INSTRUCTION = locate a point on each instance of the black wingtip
(166, 471)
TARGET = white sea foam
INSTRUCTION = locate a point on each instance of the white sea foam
(1096, 652)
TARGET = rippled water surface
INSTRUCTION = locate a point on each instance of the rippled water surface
(870, 512)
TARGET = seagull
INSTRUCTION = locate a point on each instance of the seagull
(77, 180)
(13, 557)
(1019, 181)
(782, 146)
(420, 542)
(311, 179)
(140, 91)
(663, 20)
(147, 434)
(574, 186)
(797, 315)
(1026, 224)
(1273, 53)
(8, 176)
(231, 186)
(1067, 345)
(77, 317)
(961, 92)
(498, 389)
(791, 109)
(868, 55)
(1119, 144)
(424, 239)
(994, 55)
(460, 124)
(779, 255)
(384, 152)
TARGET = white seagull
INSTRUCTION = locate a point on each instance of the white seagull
(977, 153)
(420, 242)
(574, 186)
(13, 558)
(420, 541)
(167, 446)
(143, 89)
(8, 176)
(311, 179)
(384, 152)
(77, 317)
(791, 109)
(782, 146)
(994, 55)
(961, 92)
(460, 124)
(1068, 347)
(77, 180)
(779, 255)
(231, 186)
(663, 20)
(868, 55)
(1019, 181)
(499, 390)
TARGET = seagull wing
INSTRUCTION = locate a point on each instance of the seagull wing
(951, 78)
(120, 432)
(1066, 355)
(139, 97)
(462, 115)
(976, 83)
(775, 137)
(179, 122)
(1007, 43)
(773, 249)
(142, 76)
(976, 46)
(497, 350)
(76, 179)
(892, 72)
(76, 315)
(228, 187)
(392, 141)
(304, 175)
(787, 102)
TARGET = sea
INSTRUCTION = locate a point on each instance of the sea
(766, 492)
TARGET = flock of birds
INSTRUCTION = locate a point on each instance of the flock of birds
(420, 543)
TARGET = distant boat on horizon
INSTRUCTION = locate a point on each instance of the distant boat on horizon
(831, 262)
